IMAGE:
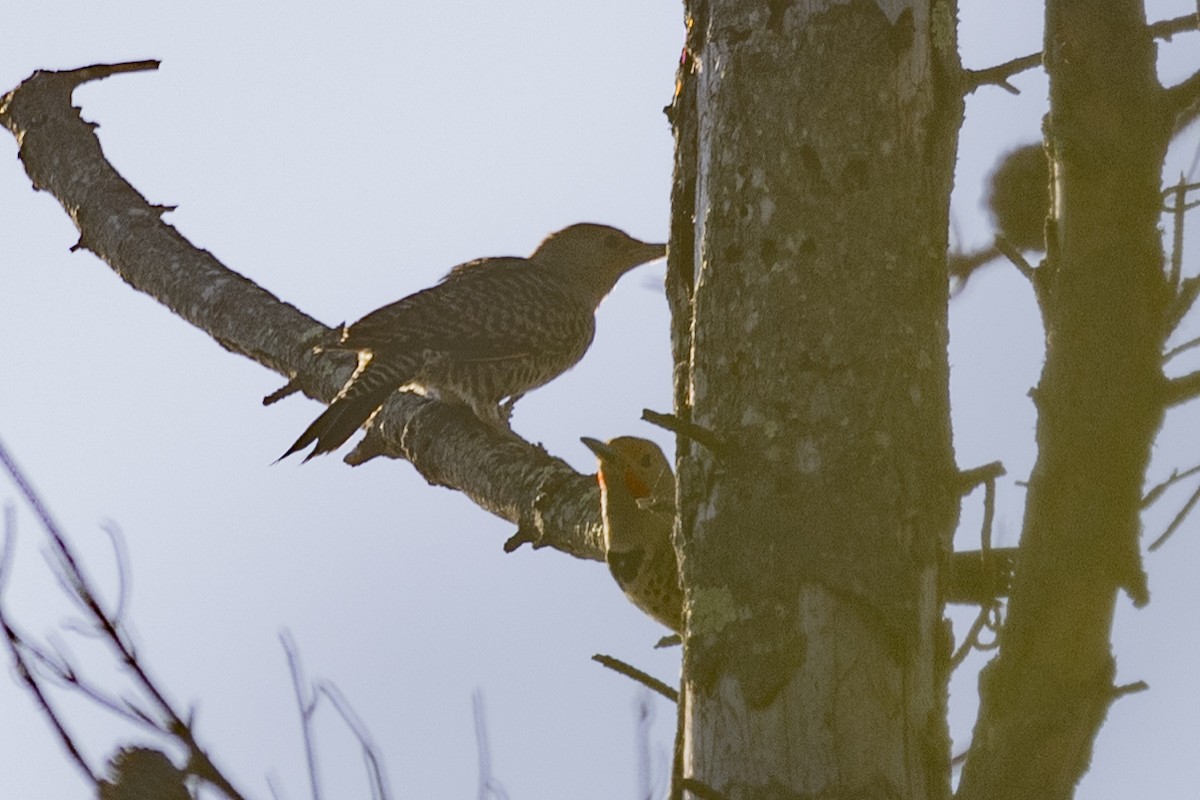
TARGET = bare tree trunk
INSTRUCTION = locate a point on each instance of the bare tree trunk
(816, 146)
(1104, 300)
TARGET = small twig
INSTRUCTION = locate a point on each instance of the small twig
(1174, 190)
(968, 479)
(72, 577)
(488, 785)
(1177, 234)
(688, 430)
(26, 675)
(305, 706)
(10, 541)
(1183, 348)
(645, 721)
(632, 672)
(287, 390)
(1009, 251)
(1129, 688)
(1180, 390)
(1166, 28)
(121, 560)
(1179, 518)
(57, 669)
(989, 617)
(1182, 96)
(380, 790)
(989, 516)
(1181, 303)
(1151, 497)
(526, 534)
(999, 74)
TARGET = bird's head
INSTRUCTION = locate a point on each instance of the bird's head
(633, 467)
(594, 256)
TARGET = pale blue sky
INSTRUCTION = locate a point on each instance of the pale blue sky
(342, 159)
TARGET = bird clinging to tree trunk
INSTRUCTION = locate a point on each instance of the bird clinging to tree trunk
(637, 502)
(492, 329)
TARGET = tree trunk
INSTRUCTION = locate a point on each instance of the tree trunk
(808, 288)
(1103, 297)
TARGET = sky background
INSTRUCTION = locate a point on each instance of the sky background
(343, 158)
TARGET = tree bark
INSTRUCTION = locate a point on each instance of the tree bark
(808, 286)
(1103, 298)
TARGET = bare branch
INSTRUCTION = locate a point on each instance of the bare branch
(1018, 260)
(306, 707)
(1158, 490)
(1179, 518)
(15, 644)
(989, 618)
(1183, 348)
(500, 472)
(1182, 97)
(374, 763)
(999, 74)
(1166, 28)
(630, 671)
(688, 430)
(74, 580)
(1177, 391)
(488, 785)
(968, 479)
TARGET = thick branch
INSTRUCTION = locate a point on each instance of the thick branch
(553, 505)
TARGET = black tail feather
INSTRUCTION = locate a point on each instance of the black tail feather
(338, 423)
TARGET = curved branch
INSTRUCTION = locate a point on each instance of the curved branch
(999, 74)
(551, 503)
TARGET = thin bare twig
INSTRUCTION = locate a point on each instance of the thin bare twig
(1166, 28)
(999, 74)
(380, 790)
(73, 579)
(1177, 391)
(1179, 518)
(1183, 96)
(27, 677)
(645, 721)
(1159, 489)
(306, 708)
(688, 430)
(1177, 212)
(1129, 688)
(1009, 251)
(968, 479)
(489, 787)
(629, 671)
(989, 618)
(1183, 348)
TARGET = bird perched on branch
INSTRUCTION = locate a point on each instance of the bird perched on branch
(637, 502)
(493, 329)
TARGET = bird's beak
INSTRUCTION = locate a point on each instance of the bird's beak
(602, 450)
(651, 252)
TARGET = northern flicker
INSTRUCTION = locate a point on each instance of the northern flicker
(637, 501)
(492, 329)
